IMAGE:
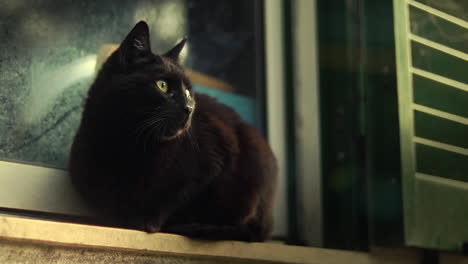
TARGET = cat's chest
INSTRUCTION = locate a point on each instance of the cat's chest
(196, 162)
(172, 162)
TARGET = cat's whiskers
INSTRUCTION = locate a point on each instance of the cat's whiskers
(150, 130)
(146, 133)
(158, 127)
(180, 132)
(144, 126)
(147, 127)
(153, 132)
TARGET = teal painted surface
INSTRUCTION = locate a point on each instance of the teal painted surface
(383, 171)
(344, 184)
(360, 130)
(294, 216)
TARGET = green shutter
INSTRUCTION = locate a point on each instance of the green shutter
(432, 65)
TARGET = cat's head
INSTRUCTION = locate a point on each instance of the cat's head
(150, 92)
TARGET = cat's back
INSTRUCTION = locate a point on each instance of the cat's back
(242, 166)
(228, 137)
(210, 107)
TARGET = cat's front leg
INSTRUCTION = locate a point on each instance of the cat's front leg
(149, 224)
(156, 216)
(152, 225)
(134, 222)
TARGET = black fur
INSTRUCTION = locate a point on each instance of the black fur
(169, 162)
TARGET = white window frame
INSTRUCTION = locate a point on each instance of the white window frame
(307, 109)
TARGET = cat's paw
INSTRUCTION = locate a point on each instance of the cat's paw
(152, 228)
(142, 224)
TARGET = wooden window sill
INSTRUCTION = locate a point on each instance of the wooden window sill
(69, 235)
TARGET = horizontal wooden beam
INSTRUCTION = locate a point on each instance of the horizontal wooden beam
(59, 234)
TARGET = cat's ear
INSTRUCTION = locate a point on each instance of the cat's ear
(136, 46)
(175, 51)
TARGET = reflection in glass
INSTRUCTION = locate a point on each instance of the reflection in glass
(50, 52)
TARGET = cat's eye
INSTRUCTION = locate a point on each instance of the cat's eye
(162, 85)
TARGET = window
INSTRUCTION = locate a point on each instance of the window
(363, 102)
(53, 49)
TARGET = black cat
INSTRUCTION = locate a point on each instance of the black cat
(152, 155)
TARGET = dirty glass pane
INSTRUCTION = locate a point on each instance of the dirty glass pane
(437, 29)
(50, 51)
(455, 8)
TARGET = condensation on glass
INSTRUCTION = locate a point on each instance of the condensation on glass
(50, 51)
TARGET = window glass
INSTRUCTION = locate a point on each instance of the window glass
(51, 49)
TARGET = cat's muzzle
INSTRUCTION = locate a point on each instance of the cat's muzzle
(181, 128)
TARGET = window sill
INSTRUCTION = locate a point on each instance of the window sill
(92, 237)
